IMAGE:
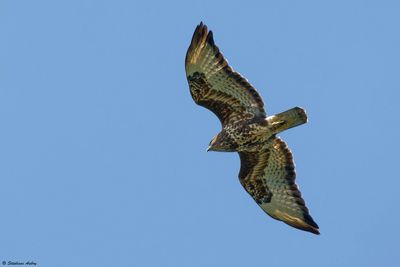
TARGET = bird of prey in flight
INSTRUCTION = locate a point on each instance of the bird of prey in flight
(267, 169)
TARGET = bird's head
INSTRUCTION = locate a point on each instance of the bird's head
(222, 142)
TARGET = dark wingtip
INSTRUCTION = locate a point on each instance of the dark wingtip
(200, 37)
(306, 223)
(313, 230)
(210, 38)
(200, 27)
(201, 32)
(307, 228)
(313, 226)
(310, 221)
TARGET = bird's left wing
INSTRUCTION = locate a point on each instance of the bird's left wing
(268, 175)
(215, 85)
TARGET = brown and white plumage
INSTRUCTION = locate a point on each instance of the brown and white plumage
(269, 177)
(215, 85)
(267, 168)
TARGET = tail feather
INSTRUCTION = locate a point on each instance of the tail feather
(287, 119)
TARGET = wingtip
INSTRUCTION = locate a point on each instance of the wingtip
(314, 231)
(200, 30)
(311, 225)
(210, 38)
(202, 34)
(306, 227)
(200, 38)
(199, 35)
(305, 222)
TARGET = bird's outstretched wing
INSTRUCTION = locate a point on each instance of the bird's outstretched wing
(268, 175)
(215, 85)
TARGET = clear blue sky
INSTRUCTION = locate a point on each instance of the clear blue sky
(103, 151)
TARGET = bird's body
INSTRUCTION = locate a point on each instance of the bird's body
(252, 134)
(267, 168)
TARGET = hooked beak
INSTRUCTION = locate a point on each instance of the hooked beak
(209, 148)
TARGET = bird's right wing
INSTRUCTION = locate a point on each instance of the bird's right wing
(268, 175)
(215, 85)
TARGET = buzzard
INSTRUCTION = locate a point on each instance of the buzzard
(267, 169)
